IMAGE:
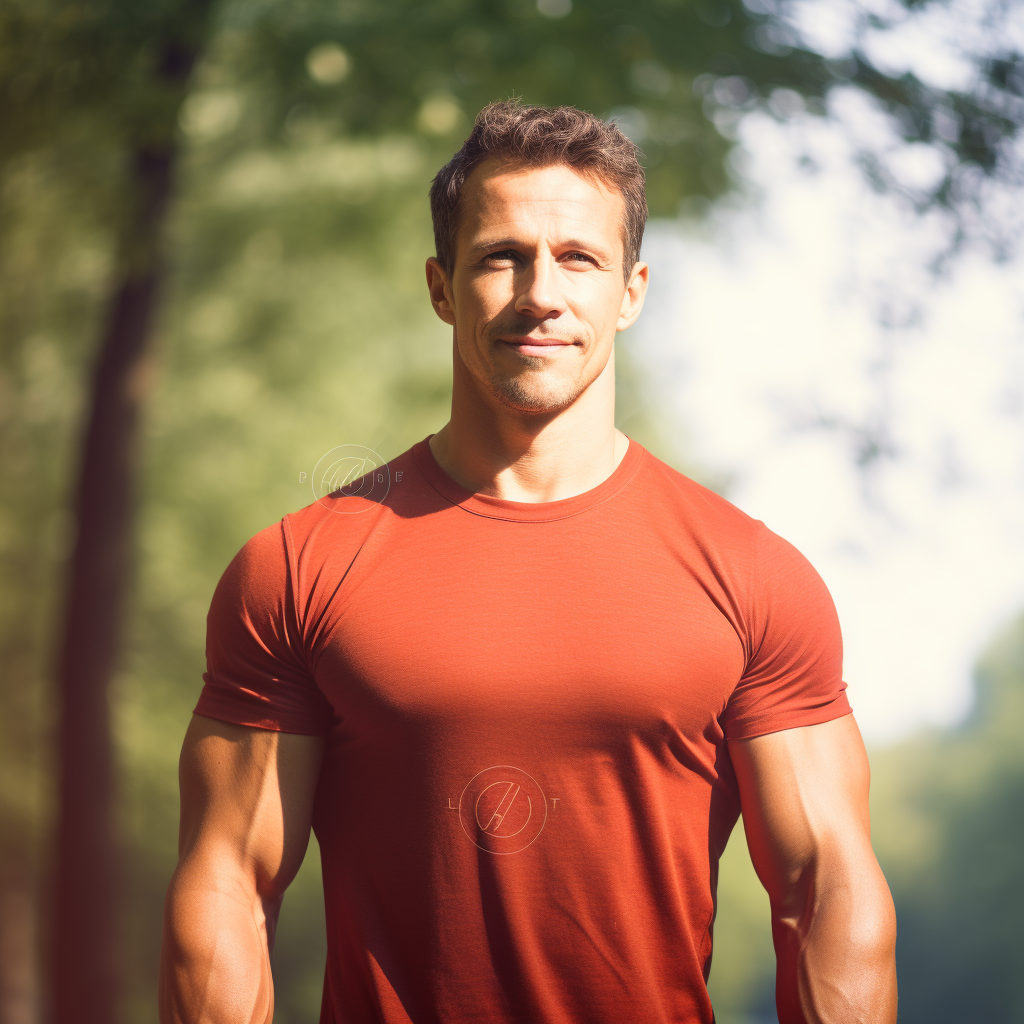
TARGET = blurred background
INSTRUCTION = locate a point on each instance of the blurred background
(213, 222)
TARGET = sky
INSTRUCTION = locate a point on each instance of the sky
(867, 408)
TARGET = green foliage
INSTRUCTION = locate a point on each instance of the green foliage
(950, 829)
(679, 73)
(111, 66)
(668, 68)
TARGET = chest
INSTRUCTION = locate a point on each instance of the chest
(519, 628)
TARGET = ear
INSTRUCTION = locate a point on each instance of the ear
(633, 297)
(440, 291)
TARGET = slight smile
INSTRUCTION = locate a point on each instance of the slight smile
(536, 346)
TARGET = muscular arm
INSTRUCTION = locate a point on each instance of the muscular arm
(246, 806)
(804, 794)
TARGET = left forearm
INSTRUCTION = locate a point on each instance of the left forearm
(804, 794)
(836, 954)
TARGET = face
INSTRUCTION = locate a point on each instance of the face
(537, 293)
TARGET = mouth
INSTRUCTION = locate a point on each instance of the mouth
(527, 346)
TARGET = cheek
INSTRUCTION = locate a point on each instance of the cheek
(484, 300)
(597, 305)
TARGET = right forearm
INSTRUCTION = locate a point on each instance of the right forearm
(215, 964)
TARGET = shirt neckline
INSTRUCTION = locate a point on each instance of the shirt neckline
(525, 511)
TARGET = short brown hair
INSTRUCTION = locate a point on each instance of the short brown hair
(538, 137)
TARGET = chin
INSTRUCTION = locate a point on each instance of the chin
(536, 396)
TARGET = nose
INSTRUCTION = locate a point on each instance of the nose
(540, 294)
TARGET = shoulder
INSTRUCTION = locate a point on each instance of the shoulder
(708, 513)
(308, 551)
(667, 492)
(345, 515)
(768, 576)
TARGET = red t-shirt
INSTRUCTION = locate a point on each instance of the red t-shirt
(526, 788)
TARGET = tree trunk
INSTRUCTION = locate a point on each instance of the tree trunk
(86, 883)
(84, 944)
(18, 1002)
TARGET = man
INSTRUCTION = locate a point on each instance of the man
(524, 697)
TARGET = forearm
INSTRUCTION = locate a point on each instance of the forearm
(836, 951)
(215, 961)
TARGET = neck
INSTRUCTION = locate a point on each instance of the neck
(504, 453)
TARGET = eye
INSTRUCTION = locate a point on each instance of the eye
(577, 257)
(502, 256)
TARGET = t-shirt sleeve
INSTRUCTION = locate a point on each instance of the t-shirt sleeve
(256, 669)
(793, 675)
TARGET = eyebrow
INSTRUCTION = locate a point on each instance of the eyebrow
(496, 243)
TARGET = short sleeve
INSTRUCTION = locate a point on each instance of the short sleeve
(793, 675)
(256, 670)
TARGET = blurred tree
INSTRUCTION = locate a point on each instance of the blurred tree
(310, 129)
(124, 72)
(678, 74)
(950, 830)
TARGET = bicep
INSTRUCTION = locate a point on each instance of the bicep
(804, 798)
(247, 799)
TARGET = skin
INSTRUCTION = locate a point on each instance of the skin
(535, 298)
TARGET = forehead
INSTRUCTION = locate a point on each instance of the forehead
(511, 200)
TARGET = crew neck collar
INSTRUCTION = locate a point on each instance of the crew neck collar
(525, 511)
